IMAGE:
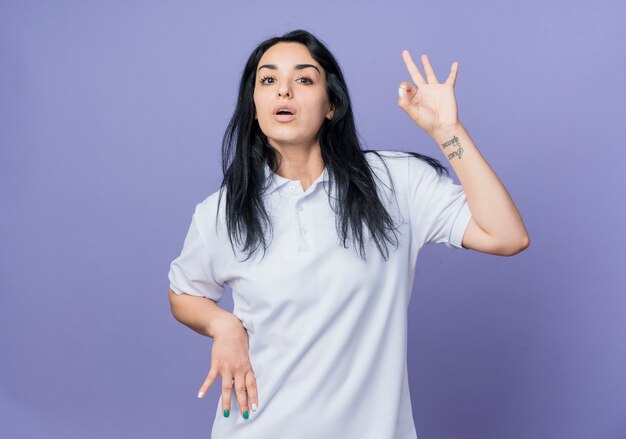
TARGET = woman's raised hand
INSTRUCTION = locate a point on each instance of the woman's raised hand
(430, 104)
(230, 360)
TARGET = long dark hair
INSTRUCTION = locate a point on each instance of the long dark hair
(245, 151)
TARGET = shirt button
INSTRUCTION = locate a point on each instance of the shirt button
(292, 188)
(300, 208)
(304, 231)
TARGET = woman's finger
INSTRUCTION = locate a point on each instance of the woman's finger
(453, 72)
(204, 389)
(227, 391)
(242, 397)
(253, 397)
(430, 73)
(412, 68)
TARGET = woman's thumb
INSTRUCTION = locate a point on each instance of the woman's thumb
(404, 92)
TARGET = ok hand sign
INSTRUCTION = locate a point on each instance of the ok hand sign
(430, 104)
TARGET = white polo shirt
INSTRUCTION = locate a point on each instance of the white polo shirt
(327, 330)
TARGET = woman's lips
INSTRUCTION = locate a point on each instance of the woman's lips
(284, 117)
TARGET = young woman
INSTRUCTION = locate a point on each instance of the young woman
(318, 240)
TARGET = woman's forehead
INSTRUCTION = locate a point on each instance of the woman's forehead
(286, 56)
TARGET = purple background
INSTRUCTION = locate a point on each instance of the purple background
(112, 114)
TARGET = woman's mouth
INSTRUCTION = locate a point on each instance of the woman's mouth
(284, 116)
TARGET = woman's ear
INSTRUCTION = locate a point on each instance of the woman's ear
(331, 113)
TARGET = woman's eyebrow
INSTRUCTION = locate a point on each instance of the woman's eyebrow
(296, 67)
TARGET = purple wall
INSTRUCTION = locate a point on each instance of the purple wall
(111, 120)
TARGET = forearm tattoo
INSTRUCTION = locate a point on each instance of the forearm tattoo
(454, 142)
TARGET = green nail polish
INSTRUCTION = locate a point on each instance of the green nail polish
(226, 413)
(245, 414)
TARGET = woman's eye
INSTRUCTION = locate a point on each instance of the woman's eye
(308, 81)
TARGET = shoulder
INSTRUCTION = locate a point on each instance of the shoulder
(398, 160)
(210, 212)
(389, 171)
(378, 158)
(387, 165)
(210, 203)
(402, 166)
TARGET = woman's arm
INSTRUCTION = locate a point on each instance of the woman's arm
(201, 314)
(496, 226)
(229, 355)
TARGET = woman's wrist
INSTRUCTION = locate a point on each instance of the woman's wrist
(442, 134)
(225, 323)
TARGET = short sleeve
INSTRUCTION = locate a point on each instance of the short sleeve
(196, 271)
(439, 210)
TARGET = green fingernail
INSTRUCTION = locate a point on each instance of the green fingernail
(226, 413)
(245, 414)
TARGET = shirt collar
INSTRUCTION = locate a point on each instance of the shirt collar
(277, 181)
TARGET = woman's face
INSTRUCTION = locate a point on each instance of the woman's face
(287, 75)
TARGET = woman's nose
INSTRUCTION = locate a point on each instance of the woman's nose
(283, 90)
